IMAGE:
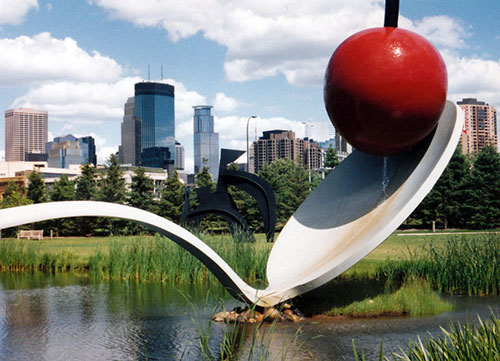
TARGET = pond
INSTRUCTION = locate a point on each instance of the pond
(70, 318)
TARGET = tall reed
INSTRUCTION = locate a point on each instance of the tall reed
(159, 259)
(458, 343)
(25, 257)
(469, 266)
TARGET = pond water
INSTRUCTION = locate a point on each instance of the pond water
(69, 318)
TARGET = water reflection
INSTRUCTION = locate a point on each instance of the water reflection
(62, 318)
(69, 318)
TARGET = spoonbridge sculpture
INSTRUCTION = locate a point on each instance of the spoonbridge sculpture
(358, 205)
(385, 91)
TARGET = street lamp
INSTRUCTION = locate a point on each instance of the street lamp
(248, 147)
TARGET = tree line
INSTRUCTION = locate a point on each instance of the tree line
(289, 181)
(467, 195)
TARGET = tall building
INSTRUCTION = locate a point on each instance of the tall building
(277, 144)
(179, 156)
(206, 141)
(148, 128)
(480, 126)
(67, 150)
(130, 151)
(26, 131)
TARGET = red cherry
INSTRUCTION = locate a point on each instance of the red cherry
(385, 89)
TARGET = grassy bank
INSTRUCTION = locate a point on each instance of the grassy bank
(457, 343)
(466, 263)
(462, 265)
(143, 258)
(414, 298)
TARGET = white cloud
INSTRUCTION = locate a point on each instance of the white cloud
(27, 60)
(442, 31)
(13, 11)
(2, 155)
(80, 102)
(472, 77)
(223, 103)
(266, 38)
(72, 102)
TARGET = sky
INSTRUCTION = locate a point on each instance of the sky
(80, 59)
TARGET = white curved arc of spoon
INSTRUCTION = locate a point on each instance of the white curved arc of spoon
(11, 217)
(347, 216)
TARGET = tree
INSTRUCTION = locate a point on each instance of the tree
(13, 196)
(111, 188)
(112, 185)
(289, 182)
(331, 158)
(86, 184)
(204, 178)
(141, 191)
(63, 190)
(36, 188)
(480, 191)
(86, 189)
(172, 198)
(442, 204)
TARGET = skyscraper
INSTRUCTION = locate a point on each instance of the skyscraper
(179, 156)
(63, 151)
(206, 141)
(277, 144)
(26, 131)
(480, 126)
(130, 151)
(148, 128)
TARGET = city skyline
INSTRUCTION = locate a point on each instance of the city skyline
(79, 61)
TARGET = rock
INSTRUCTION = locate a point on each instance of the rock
(220, 316)
(292, 317)
(259, 317)
(233, 316)
(271, 314)
(288, 312)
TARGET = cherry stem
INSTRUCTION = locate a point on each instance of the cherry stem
(391, 13)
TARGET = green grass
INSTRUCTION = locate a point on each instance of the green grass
(150, 258)
(457, 343)
(414, 298)
(143, 258)
(461, 265)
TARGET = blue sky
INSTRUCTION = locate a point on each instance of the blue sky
(79, 59)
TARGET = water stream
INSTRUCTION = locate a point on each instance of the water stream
(68, 318)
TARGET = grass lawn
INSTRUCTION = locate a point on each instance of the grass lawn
(398, 245)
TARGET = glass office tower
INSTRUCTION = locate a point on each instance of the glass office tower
(154, 108)
(206, 141)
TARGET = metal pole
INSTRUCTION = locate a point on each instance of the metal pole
(248, 146)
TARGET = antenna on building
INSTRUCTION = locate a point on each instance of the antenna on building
(161, 73)
(148, 72)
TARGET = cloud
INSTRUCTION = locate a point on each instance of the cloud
(472, 77)
(267, 38)
(223, 103)
(80, 102)
(442, 31)
(13, 11)
(2, 155)
(87, 103)
(27, 60)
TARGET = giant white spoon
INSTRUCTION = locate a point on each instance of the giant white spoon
(358, 205)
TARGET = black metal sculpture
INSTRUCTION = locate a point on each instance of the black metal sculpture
(221, 203)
